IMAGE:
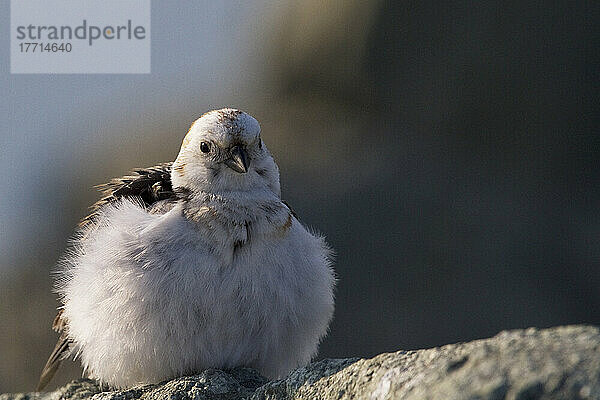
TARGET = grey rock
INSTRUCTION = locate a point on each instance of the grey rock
(556, 363)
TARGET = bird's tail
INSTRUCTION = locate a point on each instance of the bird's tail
(60, 352)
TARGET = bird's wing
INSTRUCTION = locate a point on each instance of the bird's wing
(151, 185)
(60, 352)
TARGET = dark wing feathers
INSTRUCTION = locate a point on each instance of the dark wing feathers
(151, 185)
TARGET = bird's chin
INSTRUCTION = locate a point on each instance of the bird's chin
(232, 181)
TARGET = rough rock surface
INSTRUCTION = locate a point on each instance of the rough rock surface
(556, 363)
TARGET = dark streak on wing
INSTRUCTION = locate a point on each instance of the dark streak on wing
(60, 352)
(59, 322)
(149, 184)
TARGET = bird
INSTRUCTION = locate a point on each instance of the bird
(194, 264)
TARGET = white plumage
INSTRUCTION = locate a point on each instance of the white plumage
(217, 275)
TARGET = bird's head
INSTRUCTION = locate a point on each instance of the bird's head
(223, 152)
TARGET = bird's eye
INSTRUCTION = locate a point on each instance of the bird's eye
(204, 147)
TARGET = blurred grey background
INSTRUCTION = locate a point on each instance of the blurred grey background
(449, 151)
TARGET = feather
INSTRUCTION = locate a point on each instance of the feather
(149, 184)
(60, 352)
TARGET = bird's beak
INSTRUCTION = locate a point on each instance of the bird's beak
(238, 161)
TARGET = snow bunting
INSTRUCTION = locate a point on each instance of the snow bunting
(194, 264)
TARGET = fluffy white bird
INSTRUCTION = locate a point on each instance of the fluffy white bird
(194, 264)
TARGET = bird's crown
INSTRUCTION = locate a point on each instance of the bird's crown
(224, 127)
